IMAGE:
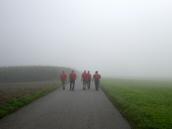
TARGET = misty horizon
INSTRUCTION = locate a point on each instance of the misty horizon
(126, 38)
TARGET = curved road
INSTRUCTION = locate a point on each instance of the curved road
(67, 110)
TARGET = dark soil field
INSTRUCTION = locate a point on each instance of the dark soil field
(16, 95)
(22, 84)
(9, 91)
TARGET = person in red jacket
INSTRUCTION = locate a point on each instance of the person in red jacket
(83, 79)
(72, 78)
(88, 78)
(96, 78)
(63, 78)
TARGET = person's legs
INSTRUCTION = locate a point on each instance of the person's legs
(63, 85)
(97, 84)
(84, 83)
(70, 85)
(73, 85)
(88, 83)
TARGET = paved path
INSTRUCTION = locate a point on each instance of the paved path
(67, 110)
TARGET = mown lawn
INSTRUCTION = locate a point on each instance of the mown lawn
(146, 104)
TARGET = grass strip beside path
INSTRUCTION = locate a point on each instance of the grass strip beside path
(18, 102)
(146, 104)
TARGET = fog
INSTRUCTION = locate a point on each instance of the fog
(120, 38)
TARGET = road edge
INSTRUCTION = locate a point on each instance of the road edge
(118, 107)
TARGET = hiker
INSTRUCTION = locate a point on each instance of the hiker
(72, 78)
(96, 78)
(83, 79)
(63, 78)
(88, 78)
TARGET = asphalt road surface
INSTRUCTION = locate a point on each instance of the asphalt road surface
(60, 109)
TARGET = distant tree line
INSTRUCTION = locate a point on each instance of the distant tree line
(30, 73)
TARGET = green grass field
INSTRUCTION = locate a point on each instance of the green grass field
(146, 104)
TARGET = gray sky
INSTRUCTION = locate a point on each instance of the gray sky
(123, 38)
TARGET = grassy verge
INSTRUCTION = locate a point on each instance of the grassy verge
(14, 103)
(146, 104)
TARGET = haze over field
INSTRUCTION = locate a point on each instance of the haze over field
(123, 38)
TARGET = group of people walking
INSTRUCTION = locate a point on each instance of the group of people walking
(86, 79)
